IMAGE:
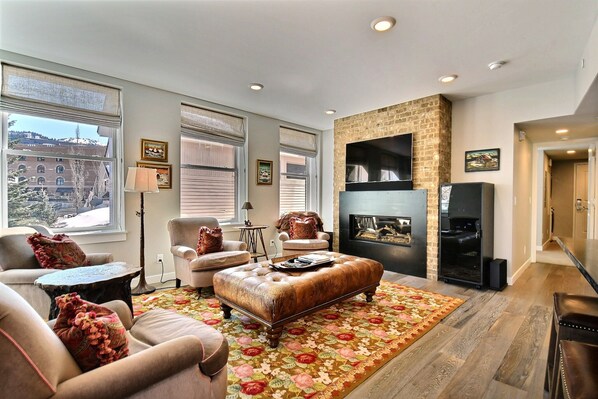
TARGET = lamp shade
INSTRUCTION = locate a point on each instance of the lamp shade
(247, 205)
(142, 180)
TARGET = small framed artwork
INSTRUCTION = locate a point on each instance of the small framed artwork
(153, 150)
(264, 172)
(482, 160)
(164, 173)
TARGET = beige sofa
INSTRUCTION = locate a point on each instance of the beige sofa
(171, 356)
(198, 270)
(19, 268)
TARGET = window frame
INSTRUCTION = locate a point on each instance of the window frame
(111, 232)
(197, 133)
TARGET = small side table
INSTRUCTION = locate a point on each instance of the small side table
(250, 235)
(96, 284)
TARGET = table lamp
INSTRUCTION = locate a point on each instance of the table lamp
(142, 180)
(247, 206)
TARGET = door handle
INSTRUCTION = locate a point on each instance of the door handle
(579, 206)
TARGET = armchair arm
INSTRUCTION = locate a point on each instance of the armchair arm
(320, 235)
(99, 258)
(230, 245)
(134, 373)
(183, 252)
(284, 236)
(123, 312)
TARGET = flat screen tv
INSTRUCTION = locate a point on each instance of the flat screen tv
(380, 164)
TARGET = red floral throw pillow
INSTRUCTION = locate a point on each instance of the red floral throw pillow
(210, 240)
(58, 252)
(303, 228)
(93, 334)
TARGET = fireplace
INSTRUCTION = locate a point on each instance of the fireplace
(393, 230)
(388, 226)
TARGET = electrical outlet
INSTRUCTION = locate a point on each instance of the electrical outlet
(271, 243)
(159, 258)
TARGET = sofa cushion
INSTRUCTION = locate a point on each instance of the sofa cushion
(57, 252)
(210, 240)
(16, 253)
(303, 228)
(219, 260)
(93, 334)
(305, 244)
(159, 325)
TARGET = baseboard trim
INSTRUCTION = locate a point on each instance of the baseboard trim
(511, 280)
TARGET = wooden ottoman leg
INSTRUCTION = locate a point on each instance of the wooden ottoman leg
(369, 295)
(225, 310)
(273, 335)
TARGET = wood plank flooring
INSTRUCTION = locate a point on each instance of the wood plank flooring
(494, 346)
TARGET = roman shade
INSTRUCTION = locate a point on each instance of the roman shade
(298, 142)
(30, 92)
(212, 125)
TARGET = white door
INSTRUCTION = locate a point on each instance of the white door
(580, 215)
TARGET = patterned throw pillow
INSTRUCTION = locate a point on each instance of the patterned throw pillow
(210, 240)
(58, 252)
(93, 334)
(303, 228)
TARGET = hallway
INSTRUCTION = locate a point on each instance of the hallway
(553, 253)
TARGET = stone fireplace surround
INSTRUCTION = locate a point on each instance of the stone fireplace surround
(429, 119)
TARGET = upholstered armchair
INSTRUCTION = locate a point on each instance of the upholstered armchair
(19, 268)
(197, 270)
(301, 246)
(170, 356)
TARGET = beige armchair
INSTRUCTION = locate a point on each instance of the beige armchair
(197, 271)
(301, 246)
(19, 268)
(170, 356)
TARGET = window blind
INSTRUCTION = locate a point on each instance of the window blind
(298, 142)
(212, 125)
(30, 92)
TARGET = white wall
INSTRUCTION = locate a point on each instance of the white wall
(522, 209)
(587, 73)
(488, 122)
(152, 113)
(327, 179)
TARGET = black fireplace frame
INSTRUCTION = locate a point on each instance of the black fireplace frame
(410, 260)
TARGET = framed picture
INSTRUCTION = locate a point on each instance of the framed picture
(153, 150)
(264, 172)
(164, 173)
(482, 160)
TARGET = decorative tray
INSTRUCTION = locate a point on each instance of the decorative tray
(301, 264)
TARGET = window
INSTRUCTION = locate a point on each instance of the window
(212, 164)
(297, 170)
(52, 117)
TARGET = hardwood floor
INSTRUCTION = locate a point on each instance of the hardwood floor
(493, 346)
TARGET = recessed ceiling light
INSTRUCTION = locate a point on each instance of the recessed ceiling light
(330, 111)
(383, 24)
(562, 131)
(570, 151)
(256, 86)
(496, 65)
(447, 78)
(565, 138)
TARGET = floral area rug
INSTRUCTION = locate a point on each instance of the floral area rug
(323, 355)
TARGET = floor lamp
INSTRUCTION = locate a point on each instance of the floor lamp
(142, 180)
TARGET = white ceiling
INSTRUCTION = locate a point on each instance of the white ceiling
(310, 55)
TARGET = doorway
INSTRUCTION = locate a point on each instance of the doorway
(580, 212)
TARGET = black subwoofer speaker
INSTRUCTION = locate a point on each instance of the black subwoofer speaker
(498, 274)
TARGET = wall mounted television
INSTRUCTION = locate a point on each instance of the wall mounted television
(385, 163)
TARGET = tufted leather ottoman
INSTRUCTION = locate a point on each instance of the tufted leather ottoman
(275, 298)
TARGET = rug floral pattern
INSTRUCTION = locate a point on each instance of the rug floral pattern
(323, 355)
